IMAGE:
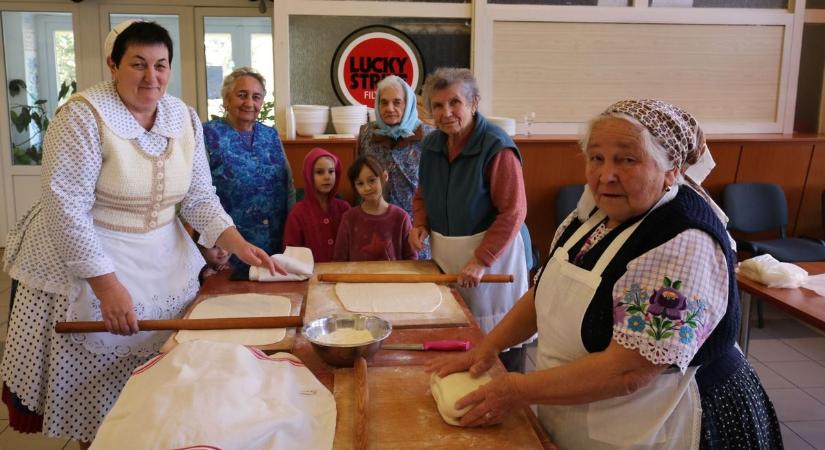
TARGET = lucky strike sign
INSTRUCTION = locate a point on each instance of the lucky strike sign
(368, 55)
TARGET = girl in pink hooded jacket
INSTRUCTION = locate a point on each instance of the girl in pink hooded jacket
(313, 222)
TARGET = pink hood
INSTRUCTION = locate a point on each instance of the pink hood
(309, 182)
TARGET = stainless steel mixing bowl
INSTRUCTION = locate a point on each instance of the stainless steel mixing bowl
(344, 355)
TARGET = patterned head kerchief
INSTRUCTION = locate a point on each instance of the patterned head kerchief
(674, 128)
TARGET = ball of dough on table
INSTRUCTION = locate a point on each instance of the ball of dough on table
(448, 390)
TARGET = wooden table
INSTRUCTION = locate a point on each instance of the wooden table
(801, 303)
(220, 284)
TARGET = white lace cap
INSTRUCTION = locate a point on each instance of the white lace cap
(109, 44)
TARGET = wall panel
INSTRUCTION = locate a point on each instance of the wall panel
(783, 163)
(809, 222)
(570, 71)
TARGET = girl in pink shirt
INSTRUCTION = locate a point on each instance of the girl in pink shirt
(376, 230)
(313, 222)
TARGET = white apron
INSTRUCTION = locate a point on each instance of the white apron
(159, 269)
(666, 414)
(489, 302)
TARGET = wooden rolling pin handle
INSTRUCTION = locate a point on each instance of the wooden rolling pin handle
(405, 278)
(232, 323)
(362, 399)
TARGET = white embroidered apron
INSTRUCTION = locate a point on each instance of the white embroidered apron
(159, 269)
(666, 414)
(489, 302)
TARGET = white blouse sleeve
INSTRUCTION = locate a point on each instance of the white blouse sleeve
(71, 164)
(201, 207)
(671, 298)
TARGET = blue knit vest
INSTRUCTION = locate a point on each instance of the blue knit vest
(456, 193)
(717, 356)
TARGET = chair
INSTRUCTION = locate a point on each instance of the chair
(566, 200)
(761, 207)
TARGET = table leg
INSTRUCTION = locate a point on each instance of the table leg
(745, 301)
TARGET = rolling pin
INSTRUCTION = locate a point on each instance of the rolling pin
(229, 323)
(405, 278)
(360, 436)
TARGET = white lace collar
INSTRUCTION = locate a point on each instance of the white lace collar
(120, 121)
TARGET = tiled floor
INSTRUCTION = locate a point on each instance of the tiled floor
(789, 357)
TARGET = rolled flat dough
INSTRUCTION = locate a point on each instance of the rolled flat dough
(239, 305)
(448, 390)
(389, 297)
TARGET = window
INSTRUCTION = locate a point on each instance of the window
(231, 42)
(40, 70)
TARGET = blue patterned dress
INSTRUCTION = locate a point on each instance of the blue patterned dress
(254, 182)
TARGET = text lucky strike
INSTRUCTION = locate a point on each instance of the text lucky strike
(367, 71)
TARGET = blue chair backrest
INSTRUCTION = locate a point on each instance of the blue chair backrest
(566, 200)
(755, 207)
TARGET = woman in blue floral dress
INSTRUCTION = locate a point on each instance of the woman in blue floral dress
(637, 310)
(249, 167)
(394, 139)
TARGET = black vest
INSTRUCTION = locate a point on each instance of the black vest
(717, 356)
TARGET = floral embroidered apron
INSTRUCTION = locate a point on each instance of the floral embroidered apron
(489, 302)
(666, 414)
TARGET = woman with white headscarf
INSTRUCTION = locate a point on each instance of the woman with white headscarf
(637, 310)
(394, 139)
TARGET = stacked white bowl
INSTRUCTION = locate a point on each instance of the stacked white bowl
(310, 119)
(348, 119)
(507, 124)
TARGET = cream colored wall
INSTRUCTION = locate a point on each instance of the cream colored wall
(571, 71)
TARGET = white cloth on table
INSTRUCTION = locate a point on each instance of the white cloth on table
(218, 395)
(297, 261)
(772, 273)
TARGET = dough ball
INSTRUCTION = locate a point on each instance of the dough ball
(448, 390)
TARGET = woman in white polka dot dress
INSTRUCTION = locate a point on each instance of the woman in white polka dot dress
(104, 242)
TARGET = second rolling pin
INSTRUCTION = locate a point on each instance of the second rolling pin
(405, 278)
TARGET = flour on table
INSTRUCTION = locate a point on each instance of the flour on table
(239, 305)
(389, 297)
(346, 336)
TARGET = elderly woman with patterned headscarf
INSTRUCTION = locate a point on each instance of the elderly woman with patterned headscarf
(636, 311)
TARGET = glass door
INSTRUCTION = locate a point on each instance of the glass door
(232, 38)
(40, 75)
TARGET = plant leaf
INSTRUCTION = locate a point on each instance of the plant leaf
(16, 85)
(64, 89)
(21, 121)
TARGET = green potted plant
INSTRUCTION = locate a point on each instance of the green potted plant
(23, 116)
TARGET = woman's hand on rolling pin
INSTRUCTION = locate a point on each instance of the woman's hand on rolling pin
(116, 305)
(476, 361)
(492, 402)
(417, 236)
(471, 274)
